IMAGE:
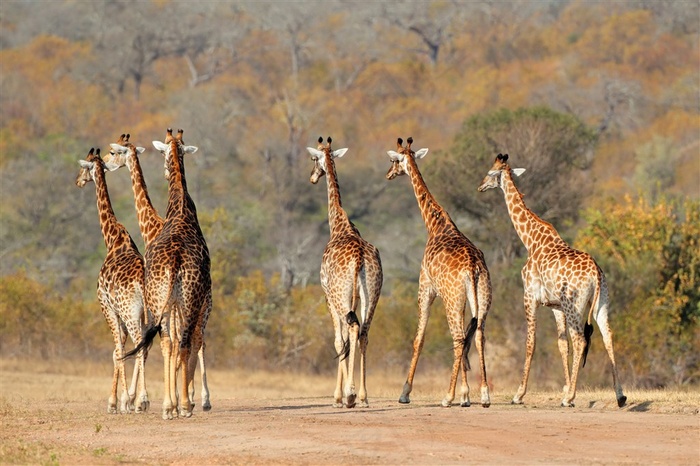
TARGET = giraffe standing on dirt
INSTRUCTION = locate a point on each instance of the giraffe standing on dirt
(351, 272)
(124, 153)
(178, 280)
(559, 277)
(120, 288)
(452, 268)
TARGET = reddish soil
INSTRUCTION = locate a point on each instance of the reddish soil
(310, 431)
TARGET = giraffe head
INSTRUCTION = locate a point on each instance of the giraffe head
(319, 158)
(173, 146)
(493, 177)
(122, 153)
(92, 162)
(399, 158)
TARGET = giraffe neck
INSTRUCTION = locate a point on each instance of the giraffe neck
(337, 217)
(180, 204)
(434, 216)
(108, 221)
(532, 230)
(150, 223)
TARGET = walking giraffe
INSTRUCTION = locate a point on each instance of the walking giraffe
(178, 281)
(124, 153)
(452, 268)
(559, 277)
(120, 287)
(350, 269)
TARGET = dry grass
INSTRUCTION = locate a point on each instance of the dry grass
(24, 381)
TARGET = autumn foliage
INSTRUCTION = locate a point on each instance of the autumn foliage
(598, 101)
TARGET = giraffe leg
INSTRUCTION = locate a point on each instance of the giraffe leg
(192, 366)
(579, 344)
(206, 403)
(364, 340)
(186, 404)
(342, 363)
(606, 332)
(484, 301)
(166, 347)
(454, 310)
(141, 403)
(426, 296)
(353, 335)
(458, 347)
(530, 307)
(563, 343)
(126, 405)
(114, 326)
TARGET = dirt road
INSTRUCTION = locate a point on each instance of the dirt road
(51, 419)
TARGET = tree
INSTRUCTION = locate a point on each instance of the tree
(555, 148)
(649, 252)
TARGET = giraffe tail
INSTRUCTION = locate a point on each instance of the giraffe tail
(588, 326)
(145, 342)
(468, 338)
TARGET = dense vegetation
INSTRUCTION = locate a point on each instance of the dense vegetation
(600, 102)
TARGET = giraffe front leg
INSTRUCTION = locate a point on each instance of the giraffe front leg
(530, 306)
(426, 296)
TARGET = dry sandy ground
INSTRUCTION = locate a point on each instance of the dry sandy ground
(263, 421)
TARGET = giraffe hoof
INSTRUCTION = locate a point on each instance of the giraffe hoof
(446, 404)
(351, 401)
(621, 401)
(486, 404)
(465, 404)
(404, 400)
(567, 405)
(516, 402)
(337, 405)
(206, 406)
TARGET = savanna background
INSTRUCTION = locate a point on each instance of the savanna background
(599, 101)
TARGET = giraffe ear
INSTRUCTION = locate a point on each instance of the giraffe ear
(140, 150)
(160, 146)
(85, 164)
(518, 171)
(315, 153)
(421, 153)
(190, 149)
(340, 152)
(393, 155)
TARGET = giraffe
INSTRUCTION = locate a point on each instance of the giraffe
(178, 280)
(452, 268)
(124, 153)
(559, 277)
(350, 269)
(120, 287)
